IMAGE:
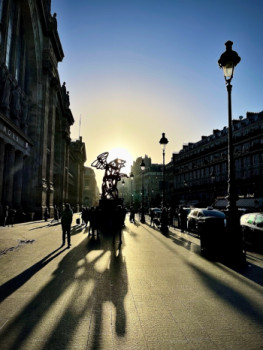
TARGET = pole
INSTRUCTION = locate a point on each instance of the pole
(163, 178)
(235, 245)
(142, 206)
(231, 193)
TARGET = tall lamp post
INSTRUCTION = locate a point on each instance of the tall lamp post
(163, 142)
(131, 181)
(228, 61)
(142, 165)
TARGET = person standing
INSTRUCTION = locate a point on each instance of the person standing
(6, 215)
(118, 223)
(11, 216)
(132, 215)
(66, 220)
(152, 217)
(46, 214)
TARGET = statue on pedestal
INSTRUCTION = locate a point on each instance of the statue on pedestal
(111, 176)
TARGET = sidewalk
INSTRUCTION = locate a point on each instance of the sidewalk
(155, 292)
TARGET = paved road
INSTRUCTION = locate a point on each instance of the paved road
(155, 292)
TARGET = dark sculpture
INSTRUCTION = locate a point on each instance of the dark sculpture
(111, 176)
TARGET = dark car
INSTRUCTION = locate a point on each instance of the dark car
(198, 216)
(252, 227)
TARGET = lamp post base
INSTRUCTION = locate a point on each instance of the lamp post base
(234, 246)
(142, 220)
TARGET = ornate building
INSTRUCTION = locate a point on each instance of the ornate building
(91, 194)
(198, 173)
(35, 117)
(77, 158)
(148, 181)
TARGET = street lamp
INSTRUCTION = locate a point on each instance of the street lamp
(163, 142)
(142, 165)
(131, 181)
(228, 61)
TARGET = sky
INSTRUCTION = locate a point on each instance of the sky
(137, 68)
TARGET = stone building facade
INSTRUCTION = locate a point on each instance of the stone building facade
(77, 158)
(35, 117)
(91, 194)
(149, 182)
(198, 173)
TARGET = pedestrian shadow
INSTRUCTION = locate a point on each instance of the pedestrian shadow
(76, 229)
(185, 243)
(15, 283)
(90, 275)
(36, 228)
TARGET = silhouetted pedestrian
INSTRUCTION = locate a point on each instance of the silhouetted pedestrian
(152, 216)
(132, 215)
(66, 220)
(94, 221)
(183, 218)
(46, 214)
(6, 215)
(86, 215)
(118, 223)
(11, 216)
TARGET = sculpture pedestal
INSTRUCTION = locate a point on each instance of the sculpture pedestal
(107, 208)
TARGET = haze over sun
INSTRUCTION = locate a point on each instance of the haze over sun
(137, 68)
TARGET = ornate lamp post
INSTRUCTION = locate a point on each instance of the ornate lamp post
(142, 165)
(228, 61)
(131, 181)
(163, 142)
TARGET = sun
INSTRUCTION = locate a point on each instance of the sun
(124, 154)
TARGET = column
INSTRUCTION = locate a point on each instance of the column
(9, 175)
(18, 177)
(2, 163)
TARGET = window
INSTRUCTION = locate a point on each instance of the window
(1, 10)
(9, 36)
(19, 51)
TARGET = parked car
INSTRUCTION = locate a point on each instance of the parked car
(198, 216)
(252, 227)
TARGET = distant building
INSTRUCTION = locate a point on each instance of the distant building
(197, 174)
(35, 118)
(150, 181)
(77, 158)
(90, 192)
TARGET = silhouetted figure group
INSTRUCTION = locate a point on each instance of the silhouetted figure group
(98, 220)
(8, 216)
